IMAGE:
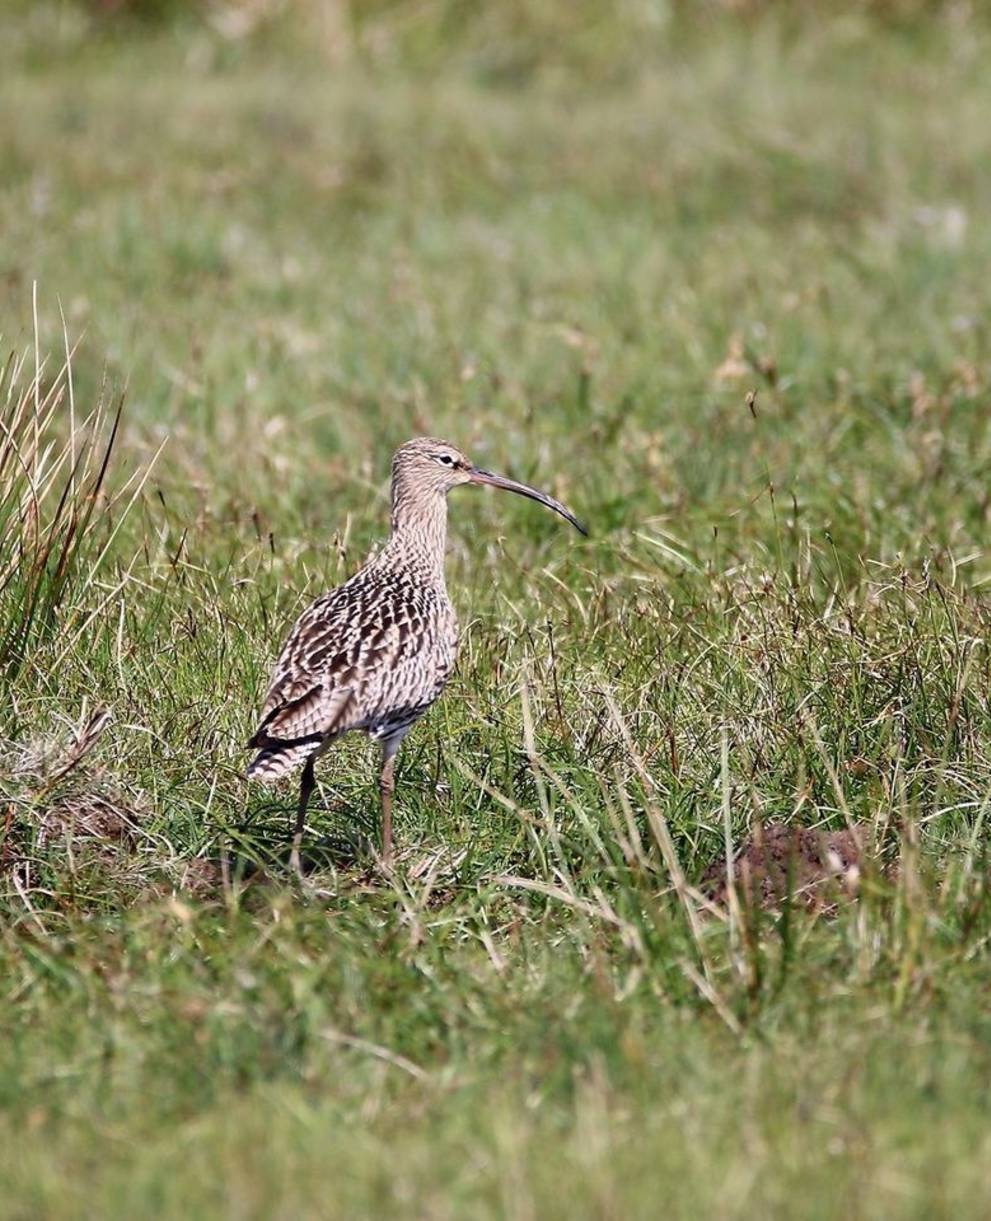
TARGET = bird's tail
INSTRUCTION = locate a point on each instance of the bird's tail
(274, 762)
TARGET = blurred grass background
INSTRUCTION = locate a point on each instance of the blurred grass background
(573, 238)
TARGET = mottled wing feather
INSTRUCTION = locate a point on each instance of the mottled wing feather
(372, 654)
(308, 694)
(313, 715)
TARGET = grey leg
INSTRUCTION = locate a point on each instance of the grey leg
(306, 786)
(387, 786)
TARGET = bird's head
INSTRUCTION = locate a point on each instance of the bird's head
(426, 466)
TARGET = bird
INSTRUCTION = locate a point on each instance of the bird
(376, 652)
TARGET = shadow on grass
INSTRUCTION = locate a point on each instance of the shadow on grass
(337, 839)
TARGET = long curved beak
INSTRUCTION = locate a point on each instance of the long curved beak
(477, 475)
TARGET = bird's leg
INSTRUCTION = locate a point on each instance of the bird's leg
(387, 786)
(306, 786)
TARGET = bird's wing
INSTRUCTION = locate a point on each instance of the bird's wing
(334, 671)
(312, 694)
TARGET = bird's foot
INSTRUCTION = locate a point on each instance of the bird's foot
(295, 861)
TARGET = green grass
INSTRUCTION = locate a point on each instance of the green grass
(573, 250)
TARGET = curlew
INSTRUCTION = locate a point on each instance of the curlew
(376, 652)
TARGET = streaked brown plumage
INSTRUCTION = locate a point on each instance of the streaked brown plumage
(376, 652)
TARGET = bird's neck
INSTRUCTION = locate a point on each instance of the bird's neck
(419, 532)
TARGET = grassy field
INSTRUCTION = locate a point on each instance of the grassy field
(574, 247)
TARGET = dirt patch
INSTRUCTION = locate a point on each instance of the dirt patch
(88, 816)
(815, 869)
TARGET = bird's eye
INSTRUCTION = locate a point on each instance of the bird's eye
(444, 459)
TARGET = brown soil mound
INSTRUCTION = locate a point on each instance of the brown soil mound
(88, 815)
(815, 868)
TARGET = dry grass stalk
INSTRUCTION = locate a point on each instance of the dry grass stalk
(55, 495)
